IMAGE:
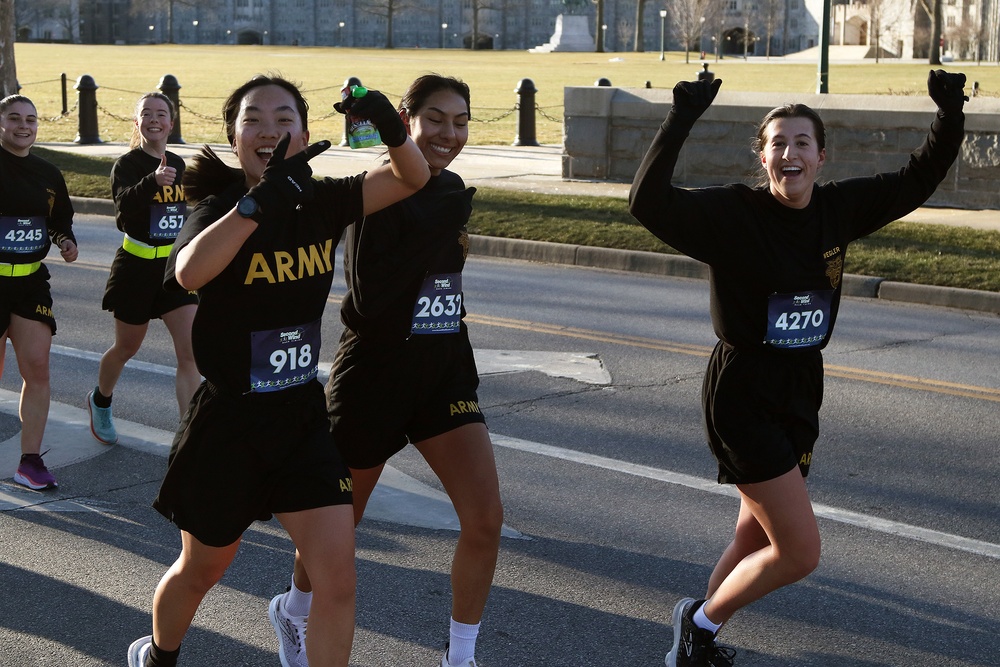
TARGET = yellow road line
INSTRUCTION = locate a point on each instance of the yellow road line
(844, 372)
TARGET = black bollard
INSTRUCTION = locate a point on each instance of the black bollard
(352, 81)
(525, 113)
(168, 86)
(603, 82)
(705, 75)
(86, 101)
(62, 81)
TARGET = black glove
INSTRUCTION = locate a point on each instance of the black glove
(377, 108)
(691, 98)
(946, 89)
(286, 183)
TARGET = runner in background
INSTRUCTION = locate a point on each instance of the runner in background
(150, 209)
(35, 214)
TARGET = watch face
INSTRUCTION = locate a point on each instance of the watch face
(246, 207)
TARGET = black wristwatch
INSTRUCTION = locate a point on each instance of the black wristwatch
(248, 208)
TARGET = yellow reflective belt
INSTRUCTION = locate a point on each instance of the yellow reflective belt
(140, 249)
(18, 270)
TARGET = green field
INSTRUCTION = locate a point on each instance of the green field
(207, 73)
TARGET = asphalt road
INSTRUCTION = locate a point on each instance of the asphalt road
(591, 384)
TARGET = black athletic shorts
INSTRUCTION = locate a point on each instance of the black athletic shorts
(27, 296)
(235, 460)
(381, 396)
(762, 411)
(135, 293)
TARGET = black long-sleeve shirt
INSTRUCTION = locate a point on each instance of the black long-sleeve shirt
(756, 247)
(33, 194)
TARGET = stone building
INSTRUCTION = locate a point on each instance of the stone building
(886, 28)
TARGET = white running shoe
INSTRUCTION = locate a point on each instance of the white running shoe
(291, 631)
(138, 651)
(471, 662)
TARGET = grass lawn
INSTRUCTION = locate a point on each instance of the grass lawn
(207, 73)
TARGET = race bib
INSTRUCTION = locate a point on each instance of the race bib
(801, 319)
(166, 220)
(439, 305)
(23, 235)
(283, 358)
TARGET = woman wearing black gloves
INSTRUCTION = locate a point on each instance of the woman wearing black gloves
(255, 442)
(405, 344)
(776, 255)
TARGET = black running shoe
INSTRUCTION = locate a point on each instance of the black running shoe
(694, 646)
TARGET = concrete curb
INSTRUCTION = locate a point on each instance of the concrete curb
(678, 266)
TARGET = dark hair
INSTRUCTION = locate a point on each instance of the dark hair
(786, 111)
(207, 174)
(13, 99)
(231, 107)
(136, 138)
(424, 86)
(791, 111)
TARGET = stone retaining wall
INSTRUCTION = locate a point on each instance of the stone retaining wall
(607, 130)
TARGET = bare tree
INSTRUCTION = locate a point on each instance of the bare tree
(689, 19)
(166, 7)
(387, 10)
(772, 15)
(640, 36)
(8, 71)
(599, 25)
(883, 20)
(934, 12)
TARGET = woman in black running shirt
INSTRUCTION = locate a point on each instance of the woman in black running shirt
(255, 443)
(776, 255)
(35, 214)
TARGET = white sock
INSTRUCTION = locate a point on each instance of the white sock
(703, 622)
(462, 646)
(297, 602)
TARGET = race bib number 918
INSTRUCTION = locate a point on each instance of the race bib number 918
(282, 358)
(801, 319)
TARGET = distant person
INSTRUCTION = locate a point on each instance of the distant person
(776, 254)
(255, 442)
(405, 345)
(150, 209)
(35, 214)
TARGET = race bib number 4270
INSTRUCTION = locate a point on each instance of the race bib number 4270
(801, 319)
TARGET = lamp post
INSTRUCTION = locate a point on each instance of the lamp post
(663, 21)
(604, 35)
(340, 34)
(195, 24)
(444, 27)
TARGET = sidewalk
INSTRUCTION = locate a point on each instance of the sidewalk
(539, 169)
